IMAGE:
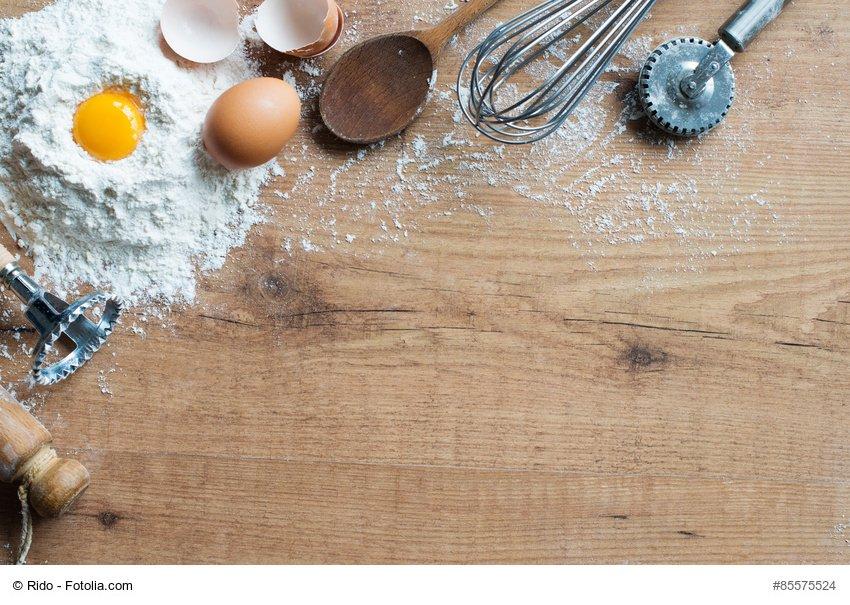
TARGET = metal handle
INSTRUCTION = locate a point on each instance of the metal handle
(751, 18)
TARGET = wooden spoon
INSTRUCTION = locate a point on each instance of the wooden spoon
(381, 85)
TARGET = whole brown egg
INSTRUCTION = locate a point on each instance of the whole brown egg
(249, 124)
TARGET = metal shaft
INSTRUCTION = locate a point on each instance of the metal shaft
(735, 35)
(20, 283)
(748, 21)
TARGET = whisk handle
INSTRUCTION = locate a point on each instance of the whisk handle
(436, 37)
(748, 21)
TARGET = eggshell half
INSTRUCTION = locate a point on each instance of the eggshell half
(340, 28)
(303, 28)
(203, 31)
(249, 124)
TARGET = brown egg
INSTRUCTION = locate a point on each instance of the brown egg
(249, 124)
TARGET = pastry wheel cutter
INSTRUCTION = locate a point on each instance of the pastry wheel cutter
(62, 327)
(687, 85)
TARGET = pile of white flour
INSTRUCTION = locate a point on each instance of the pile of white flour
(139, 227)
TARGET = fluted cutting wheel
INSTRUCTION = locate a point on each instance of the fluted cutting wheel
(665, 104)
(86, 336)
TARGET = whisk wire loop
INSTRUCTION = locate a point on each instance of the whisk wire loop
(489, 82)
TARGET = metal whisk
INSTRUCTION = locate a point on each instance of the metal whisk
(488, 86)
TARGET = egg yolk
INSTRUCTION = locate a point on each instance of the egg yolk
(109, 125)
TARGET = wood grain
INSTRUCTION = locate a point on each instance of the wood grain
(482, 394)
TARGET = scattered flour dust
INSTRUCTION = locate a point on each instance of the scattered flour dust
(140, 227)
(605, 180)
(841, 531)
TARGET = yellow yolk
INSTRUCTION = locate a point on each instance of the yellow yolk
(109, 125)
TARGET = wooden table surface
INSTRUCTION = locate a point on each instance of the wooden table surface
(481, 392)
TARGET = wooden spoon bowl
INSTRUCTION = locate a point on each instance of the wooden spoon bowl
(377, 88)
(380, 86)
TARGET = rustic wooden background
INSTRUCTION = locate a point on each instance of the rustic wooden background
(465, 398)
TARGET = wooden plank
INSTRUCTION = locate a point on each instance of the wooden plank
(487, 392)
(218, 508)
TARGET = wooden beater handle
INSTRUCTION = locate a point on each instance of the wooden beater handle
(436, 37)
(26, 456)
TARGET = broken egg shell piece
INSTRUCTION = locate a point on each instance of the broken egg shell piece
(326, 40)
(303, 28)
(333, 41)
(202, 31)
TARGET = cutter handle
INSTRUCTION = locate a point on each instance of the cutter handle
(6, 257)
(747, 23)
(26, 455)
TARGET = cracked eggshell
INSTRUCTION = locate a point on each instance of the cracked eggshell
(202, 31)
(303, 28)
(336, 36)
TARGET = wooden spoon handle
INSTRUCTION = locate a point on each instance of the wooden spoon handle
(436, 37)
(27, 456)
